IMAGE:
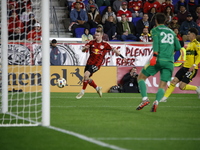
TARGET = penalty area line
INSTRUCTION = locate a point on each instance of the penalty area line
(146, 139)
(83, 137)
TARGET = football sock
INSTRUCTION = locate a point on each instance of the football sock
(85, 83)
(92, 83)
(190, 87)
(142, 87)
(160, 94)
(169, 90)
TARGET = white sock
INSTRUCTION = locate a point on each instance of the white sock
(97, 88)
(82, 91)
(144, 98)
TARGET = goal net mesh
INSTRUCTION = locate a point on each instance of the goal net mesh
(24, 69)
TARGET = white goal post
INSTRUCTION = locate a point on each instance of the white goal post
(24, 86)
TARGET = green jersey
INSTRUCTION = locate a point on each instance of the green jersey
(165, 43)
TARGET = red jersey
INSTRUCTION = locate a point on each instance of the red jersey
(97, 52)
(126, 12)
(81, 4)
(33, 35)
(164, 5)
(147, 6)
(135, 5)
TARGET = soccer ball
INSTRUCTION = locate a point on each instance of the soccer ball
(61, 83)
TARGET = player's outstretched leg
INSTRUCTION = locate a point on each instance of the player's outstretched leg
(198, 91)
(145, 102)
(154, 106)
(99, 91)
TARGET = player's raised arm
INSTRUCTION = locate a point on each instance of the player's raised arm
(118, 53)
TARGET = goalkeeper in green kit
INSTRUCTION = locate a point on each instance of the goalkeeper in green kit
(164, 45)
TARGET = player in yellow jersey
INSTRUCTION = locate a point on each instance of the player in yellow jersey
(190, 67)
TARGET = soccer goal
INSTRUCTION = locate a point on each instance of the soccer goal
(24, 84)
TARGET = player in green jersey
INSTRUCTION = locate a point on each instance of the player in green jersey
(164, 45)
(190, 67)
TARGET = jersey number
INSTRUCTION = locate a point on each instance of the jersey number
(168, 38)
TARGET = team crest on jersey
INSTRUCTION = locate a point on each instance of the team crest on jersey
(101, 47)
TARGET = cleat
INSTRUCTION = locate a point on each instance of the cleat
(164, 99)
(79, 95)
(143, 103)
(154, 106)
(198, 91)
(99, 91)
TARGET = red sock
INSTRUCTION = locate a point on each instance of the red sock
(91, 83)
(85, 83)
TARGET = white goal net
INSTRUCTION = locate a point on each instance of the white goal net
(21, 99)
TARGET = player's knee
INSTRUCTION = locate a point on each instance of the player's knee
(181, 87)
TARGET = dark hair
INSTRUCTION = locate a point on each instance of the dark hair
(194, 30)
(160, 18)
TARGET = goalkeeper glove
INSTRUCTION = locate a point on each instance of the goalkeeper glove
(153, 59)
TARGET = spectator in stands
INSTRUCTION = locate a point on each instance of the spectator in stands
(86, 36)
(186, 25)
(108, 12)
(136, 8)
(192, 5)
(25, 15)
(198, 20)
(82, 5)
(174, 23)
(117, 4)
(91, 2)
(151, 3)
(110, 28)
(105, 36)
(178, 35)
(142, 23)
(22, 5)
(78, 19)
(15, 27)
(103, 3)
(167, 3)
(94, 18)
(151, 16)
(197, 13)
(169, 15)
(35, 34)
(123, 10)
(30, 24)
(11, 8)
(126, 30)
(56, 57)
(178, 5)
(182, 14)
(145, 36)
(129, 82)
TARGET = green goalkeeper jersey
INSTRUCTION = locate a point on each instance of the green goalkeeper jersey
(165, 43)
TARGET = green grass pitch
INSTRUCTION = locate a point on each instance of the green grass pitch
(112, 119)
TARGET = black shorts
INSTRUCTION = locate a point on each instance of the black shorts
(91, 68)
(185, 76)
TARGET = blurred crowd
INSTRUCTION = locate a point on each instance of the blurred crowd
(132, 20)
(121, 20)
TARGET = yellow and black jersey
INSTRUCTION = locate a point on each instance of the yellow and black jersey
(192, 54)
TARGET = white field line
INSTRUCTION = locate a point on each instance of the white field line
(134, 97)
(121, 106)
(80, 136)
(83, 137)
(146, 139)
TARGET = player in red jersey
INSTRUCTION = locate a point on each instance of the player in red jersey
(97, 49)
